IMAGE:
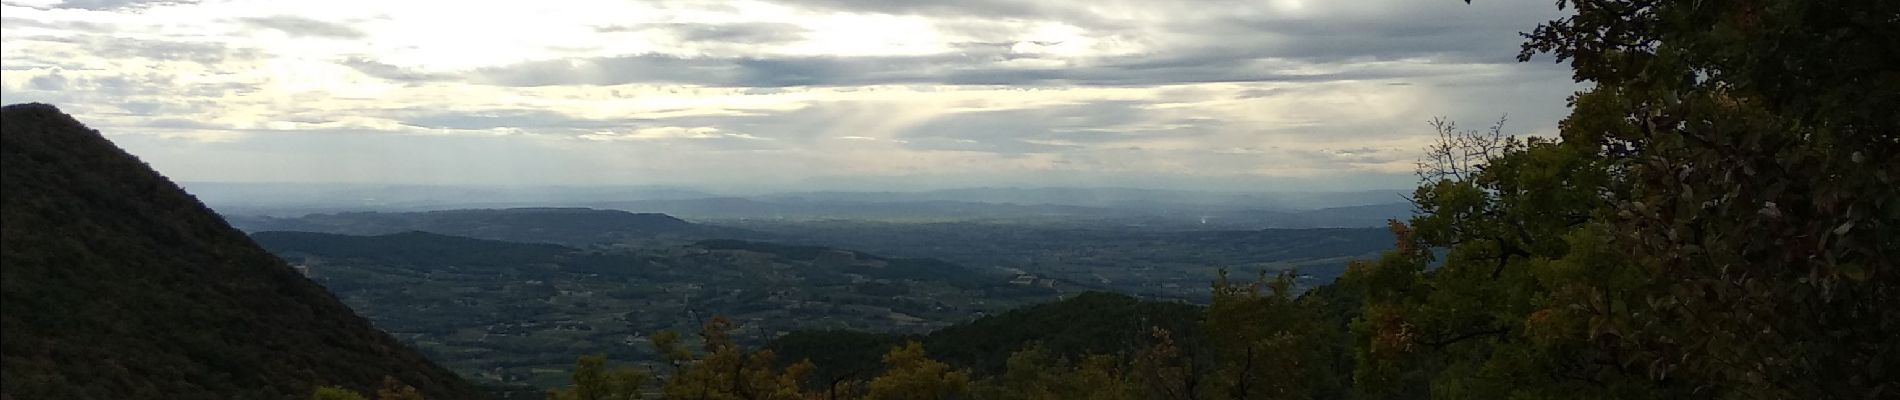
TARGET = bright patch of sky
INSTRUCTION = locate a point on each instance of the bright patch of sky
(812, 94)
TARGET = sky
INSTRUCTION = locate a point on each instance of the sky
(1272, 95)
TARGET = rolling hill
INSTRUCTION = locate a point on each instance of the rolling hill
(1087, 323)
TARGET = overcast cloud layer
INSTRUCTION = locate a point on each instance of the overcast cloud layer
(813, 94)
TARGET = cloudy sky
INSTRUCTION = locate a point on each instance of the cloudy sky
(833, 94)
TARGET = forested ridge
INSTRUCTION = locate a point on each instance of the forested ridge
(119, 285)
(1088, 323)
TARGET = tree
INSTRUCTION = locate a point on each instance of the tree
(396, 390)
(1163, 372)
(392, 389)
(592, 380)
(1268, 345)
(1102, 377)
(910, 375)
(334, 393)
(724, 370)
(1035, 374)
(1718, 219)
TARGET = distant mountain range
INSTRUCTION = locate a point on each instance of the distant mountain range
(571, 226)
(1122, 206)
(119, 285)
(1119, 198)
(296, 199)
(654, 219)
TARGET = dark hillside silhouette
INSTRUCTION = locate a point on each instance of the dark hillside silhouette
(119, 285)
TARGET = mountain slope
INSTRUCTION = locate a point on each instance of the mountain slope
(119, 285)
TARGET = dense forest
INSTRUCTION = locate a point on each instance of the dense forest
(119, 285)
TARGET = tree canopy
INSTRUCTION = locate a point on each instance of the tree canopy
(1716, 220)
